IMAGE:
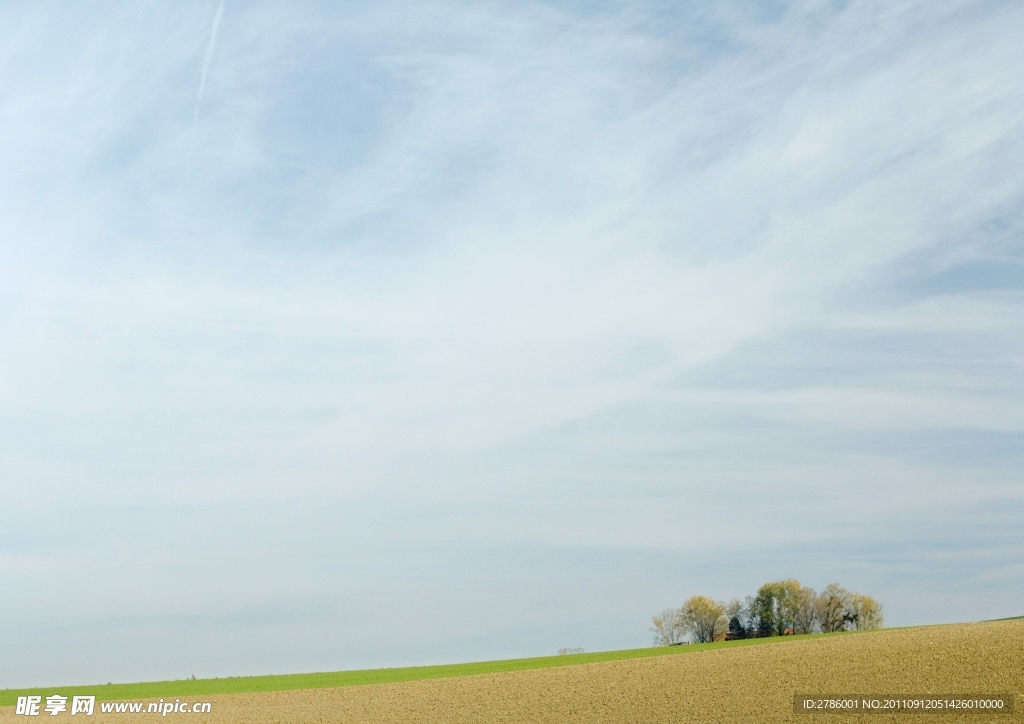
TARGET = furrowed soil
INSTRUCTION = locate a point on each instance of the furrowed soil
(750, 684)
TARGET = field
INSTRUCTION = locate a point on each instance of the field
(685, 684)
(286, 682)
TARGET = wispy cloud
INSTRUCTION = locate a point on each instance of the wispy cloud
(492, 307)
(207, 59)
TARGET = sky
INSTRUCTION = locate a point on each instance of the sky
(348, 335)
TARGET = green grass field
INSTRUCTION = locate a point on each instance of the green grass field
(287, 682)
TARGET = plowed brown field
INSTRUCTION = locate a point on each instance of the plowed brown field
(750, 684)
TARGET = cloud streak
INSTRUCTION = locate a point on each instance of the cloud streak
(207, 59)
(494, 310)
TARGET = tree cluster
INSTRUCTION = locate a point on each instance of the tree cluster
(777, 609)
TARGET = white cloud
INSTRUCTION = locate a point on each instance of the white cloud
(480, 288)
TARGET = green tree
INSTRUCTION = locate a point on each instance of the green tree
(774, 608)
(703, 619)
(738, 614)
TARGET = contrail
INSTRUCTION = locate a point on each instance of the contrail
(206, 61)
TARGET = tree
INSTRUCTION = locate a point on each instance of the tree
(805, 615)
(703, 619)
(780, 607)
(834, 606)
(668, 627)
(774, 607)
(738, 614)
(865, 612)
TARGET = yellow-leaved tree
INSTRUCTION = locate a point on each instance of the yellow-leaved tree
(704, 619)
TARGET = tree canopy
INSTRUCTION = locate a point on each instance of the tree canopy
(777, 609)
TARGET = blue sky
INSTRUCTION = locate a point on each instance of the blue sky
(338, 336)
